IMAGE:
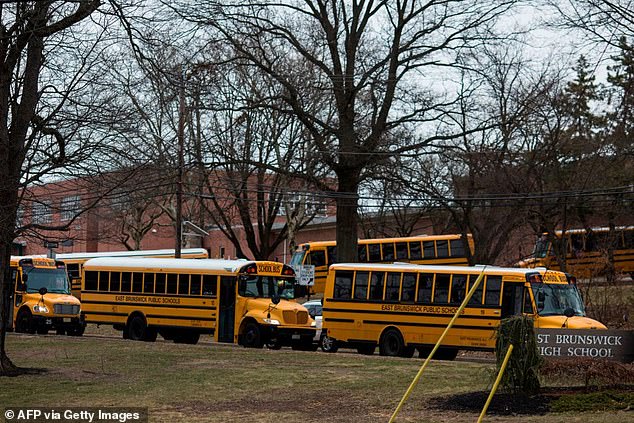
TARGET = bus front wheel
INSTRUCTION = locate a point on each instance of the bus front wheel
(252, 336)
(392, 344)
(24, 322)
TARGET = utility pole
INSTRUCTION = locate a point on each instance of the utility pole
(179, 182)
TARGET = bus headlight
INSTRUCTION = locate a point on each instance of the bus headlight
(272, 321)
(313, 323)
(40, 309)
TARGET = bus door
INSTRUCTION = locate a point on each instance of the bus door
(227, 312)
(512, 299)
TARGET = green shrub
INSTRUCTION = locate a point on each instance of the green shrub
(522, 371)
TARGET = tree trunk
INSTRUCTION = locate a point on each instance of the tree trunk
(347, 215)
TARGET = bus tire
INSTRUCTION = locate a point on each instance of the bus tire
(328, 344)
(77, 330)
(446, 354)
(252, 336)
(391, 343)
(189, 337)
(136, 328)
(24, 322)
(366, 349)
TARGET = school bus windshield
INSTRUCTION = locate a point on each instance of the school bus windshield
(554, 300)
(298, 257)
(266, 287)
(54, 280)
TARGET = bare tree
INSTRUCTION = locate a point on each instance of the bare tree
(369, 59)
(32, 95)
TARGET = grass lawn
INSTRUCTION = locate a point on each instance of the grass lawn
(211, 382)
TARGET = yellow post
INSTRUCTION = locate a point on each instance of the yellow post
(433, 351)
(497, 382)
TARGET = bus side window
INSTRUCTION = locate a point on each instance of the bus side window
(104, 280)
(415, 252)
(115, 281)
(160, 283)
(148, 283)
(209, 285)
(492, 290)
(388, 251)
(425, 284)
(476, 298)
(457, 248)
(442, 247)
(172, 283)
(409, 287)
(137, 282)
(361, 285)
(392, 286)
(441, 289)
(126, 281)
(90, 284)
(183, 284)
(73, 270)
(374, 252)
(332, 254)
(343, 284)
(195, 285)
(401, 251)
(362, 253)
(429, 250)
(376, 285)
(318, 258)
(458, 286)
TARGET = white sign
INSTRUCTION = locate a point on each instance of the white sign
(305, 274)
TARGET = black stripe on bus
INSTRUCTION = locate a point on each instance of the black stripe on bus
(340, 320)
(434, 325)
(405, 313)
(148, 305)
(380, 302)
(144, 294)
(154, 316)
(162, 316)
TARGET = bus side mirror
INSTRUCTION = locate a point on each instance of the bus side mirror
(275, 298)
(569, 312)
(43, 291)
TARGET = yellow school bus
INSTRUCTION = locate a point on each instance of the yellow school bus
(42, 299)
(238, 301)
(586, 251)
(74, 261)
(403, 307)
(424, 249)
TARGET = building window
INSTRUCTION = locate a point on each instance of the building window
(70, 207)
(42, 213)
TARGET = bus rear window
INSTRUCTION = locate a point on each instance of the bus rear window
(343, 284)
(90, 283)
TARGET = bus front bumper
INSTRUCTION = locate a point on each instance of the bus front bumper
(290, 336)
(58, 322)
